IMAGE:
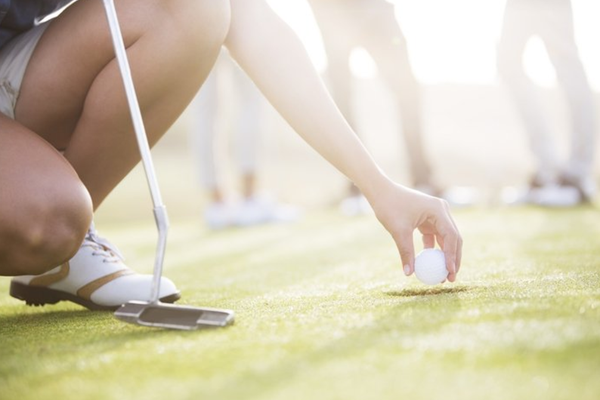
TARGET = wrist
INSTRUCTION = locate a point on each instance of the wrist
(374, 184)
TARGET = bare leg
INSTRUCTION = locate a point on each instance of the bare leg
(44, 208)
(81, 106)
(73, 98)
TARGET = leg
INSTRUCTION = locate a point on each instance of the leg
(247, 129)
(44, 208)
(204, 132)
(81, 105)
(381, 36)
(218, 213)
(559, 38)
(339, 40)
(72, 97)
(521, 21)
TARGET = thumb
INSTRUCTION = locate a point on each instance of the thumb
(404, 242)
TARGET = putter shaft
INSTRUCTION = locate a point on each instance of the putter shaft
(160, 213)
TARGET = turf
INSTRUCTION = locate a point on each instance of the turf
(323, 312)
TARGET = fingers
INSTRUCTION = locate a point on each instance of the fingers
(434, 221)
(459, 255)
(428, 241)
(404, 242)
(459, 239)
(451, 243)
(450, 252)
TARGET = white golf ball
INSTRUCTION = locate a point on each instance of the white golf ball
(430, 266)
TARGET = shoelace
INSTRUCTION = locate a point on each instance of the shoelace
(102, 247)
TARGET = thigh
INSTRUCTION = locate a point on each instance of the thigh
(76, 52)
(68, 58)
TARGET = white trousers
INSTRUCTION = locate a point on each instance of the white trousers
(552, 21)
(225, 83)
(372, 25)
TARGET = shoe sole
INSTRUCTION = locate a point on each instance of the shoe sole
(40, 296)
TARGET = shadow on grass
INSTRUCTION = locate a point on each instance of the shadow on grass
(102, 323)
(60, 339)
(428, 291)
(392, 330)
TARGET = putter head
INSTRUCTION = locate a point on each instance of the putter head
(170, 316)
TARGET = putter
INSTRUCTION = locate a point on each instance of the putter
(153, 312)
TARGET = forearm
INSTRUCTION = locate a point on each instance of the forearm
(273, 56)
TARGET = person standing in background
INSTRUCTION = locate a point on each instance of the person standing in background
(554, 183)
(252, 208)
(371, 24)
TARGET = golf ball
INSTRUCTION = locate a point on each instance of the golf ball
(430, 266)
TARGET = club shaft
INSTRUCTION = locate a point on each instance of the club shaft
(160, 214)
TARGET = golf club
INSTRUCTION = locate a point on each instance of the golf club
(154, 313)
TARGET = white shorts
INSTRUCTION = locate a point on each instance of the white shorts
(14, 57)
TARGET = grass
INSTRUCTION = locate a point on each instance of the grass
(323, 312)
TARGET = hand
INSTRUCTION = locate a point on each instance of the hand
(402, 210)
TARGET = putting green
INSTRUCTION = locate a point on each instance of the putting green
(323, 312)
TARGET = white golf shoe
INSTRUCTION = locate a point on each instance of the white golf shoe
(263, 209)
(95, 278)
(252, 211)
(220, 215)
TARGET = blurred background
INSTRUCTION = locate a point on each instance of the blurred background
(471, 129)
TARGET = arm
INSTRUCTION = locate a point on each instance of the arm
(273, 56)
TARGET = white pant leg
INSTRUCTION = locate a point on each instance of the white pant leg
(204, 126)
(521, 22)
(382, 37)
(372, 25)
(248, 125)
(559, 37)
(247, 122)
(552, 21)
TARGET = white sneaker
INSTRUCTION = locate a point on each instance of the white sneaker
(552, 195)
(95, 278)
(555, 196)
(220, 215)
(563, 191)
(584, 184)
(263, 210)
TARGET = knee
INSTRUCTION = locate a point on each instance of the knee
(46, 231)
